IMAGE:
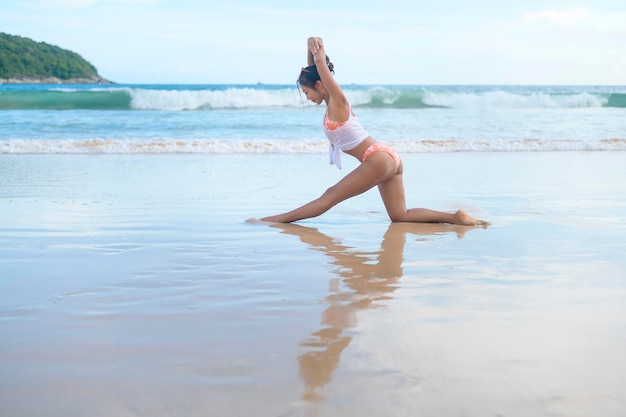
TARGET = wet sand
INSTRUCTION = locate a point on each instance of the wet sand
(132, 285)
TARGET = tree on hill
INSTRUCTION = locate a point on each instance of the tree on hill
(22, 58)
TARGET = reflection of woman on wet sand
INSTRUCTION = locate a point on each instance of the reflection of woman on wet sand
(370, 277)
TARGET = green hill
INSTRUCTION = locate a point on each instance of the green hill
(23, 60)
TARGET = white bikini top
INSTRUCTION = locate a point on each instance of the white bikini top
(343, 136)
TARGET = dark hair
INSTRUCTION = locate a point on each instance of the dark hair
(309, 75)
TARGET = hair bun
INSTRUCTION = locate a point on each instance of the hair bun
(331, 67)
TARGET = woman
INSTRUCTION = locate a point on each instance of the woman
(380, 165)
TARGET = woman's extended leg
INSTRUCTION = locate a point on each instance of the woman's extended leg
(363, 178)
(392, 193)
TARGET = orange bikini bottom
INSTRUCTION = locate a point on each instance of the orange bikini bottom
(384, 148)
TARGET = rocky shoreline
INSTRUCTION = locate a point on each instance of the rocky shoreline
(54, 80)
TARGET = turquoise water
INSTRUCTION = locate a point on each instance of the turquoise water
(277, 119)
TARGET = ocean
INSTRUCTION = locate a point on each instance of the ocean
(212, 119)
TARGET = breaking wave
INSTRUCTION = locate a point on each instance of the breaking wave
(206, 98)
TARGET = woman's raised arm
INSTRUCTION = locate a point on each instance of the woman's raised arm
(338, 102)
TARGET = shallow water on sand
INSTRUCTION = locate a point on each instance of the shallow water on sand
(132, 285)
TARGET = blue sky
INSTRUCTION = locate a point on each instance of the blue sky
(388, 42)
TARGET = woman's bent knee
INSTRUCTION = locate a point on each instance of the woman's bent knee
(397, 217)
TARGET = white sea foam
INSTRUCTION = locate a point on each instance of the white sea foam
(231, 98)
(211, 146)
(508, 100)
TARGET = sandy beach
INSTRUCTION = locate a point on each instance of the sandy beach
(132, 285)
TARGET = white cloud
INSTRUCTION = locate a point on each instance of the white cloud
(557, 17)
(609, 22)
(593, 19)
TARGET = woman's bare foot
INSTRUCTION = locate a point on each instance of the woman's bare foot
(462, 218)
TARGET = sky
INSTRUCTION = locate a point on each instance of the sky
(489, 42)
